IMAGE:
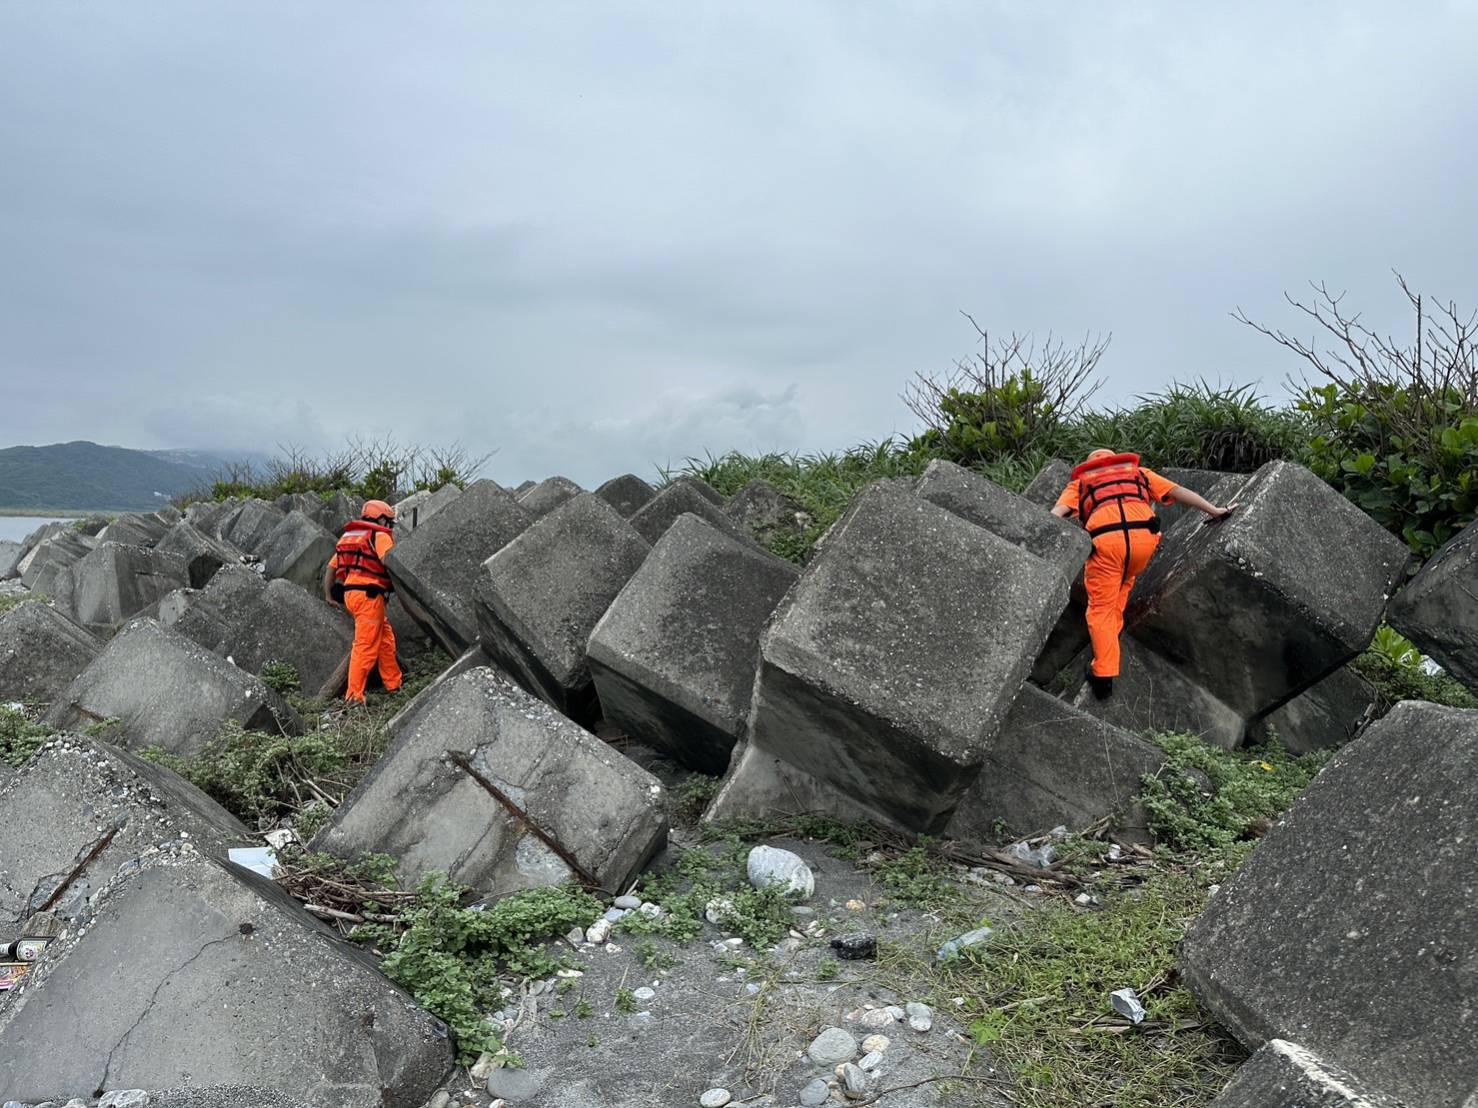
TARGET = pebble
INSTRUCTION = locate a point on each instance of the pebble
(769, 865)
(876, 1044)
(615, 915)
(815, 1094)
(920, 1017)
(599, 931)
(513, 1084)
(717, 910)
(832, 1047)
(855, 906)
(483, 1068)
(870, 1061)
(803, 910)
(752, 990)
(878, 1019)
(644, 993)
(576, 936)
(630, 903)
(641, 1021)
(440, 1100)
(715, 1098)
(854, 1082)
(124, 1098)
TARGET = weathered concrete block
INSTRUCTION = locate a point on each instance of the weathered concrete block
(680, 498)
(436, 566)
(1202, 481)
(674, 656)
(1053, 764)
(41, 650)
(1280, 594)
(414, 510)
(165, 690)
(114, 582)
(338, 510)
(1151, 693)
(760, 786)
(433, 809)
(892, 663)
(287, 624)
(702, 488)
(1000, 511)
(1049, 482)
(51, 557)
(134, 529)
(297, 550)
(1438, 608)
(766, 513)
(248, 524)
(207, 616)
(190, 966)
(1330, 713)
(1351, 924)
(80, 809)
(539, 597)
(1284, 1075)
(10, 554)
(203, 553)
(549, 494)
(628, 494)
(208, 515)
(523, 487)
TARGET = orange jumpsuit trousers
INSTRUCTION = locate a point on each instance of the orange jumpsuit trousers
(374, 644)
(1118, 558)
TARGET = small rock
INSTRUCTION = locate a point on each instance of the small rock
(629, 903)
(1126, 1003)
(815, 1094)
(803, 910)
(440, 1100)
(615, 915)
(870, 1061)
(896, 1012)
(878, 1019)
(854, 1082)
(769, 865)
(733, 942)
(644, 993)
(832, 1047)
(851, 948)
(920, 1016)
(718, 910)
(125, 1098)
(752, 990)
(599, 931)
(715, 1098)
(576, 936)
(513, 1084)
(876, 1044)
(641, 1021)
(483, 1068)
(855, 906)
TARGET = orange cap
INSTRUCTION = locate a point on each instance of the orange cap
(377, 509)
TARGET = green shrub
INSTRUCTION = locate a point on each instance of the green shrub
(1395, 682)
(281, 677)
(20, 737)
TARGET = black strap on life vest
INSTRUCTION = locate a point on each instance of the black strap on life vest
(1151, 525)
(356, 553)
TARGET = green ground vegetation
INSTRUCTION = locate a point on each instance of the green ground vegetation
(20, 734)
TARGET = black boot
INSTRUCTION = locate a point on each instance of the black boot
(1103, 687)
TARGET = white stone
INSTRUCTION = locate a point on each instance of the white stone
(870, 1060)
(920, 1017)
(599, 931)
(715, 1098)
(769, 865)
(876, 1044)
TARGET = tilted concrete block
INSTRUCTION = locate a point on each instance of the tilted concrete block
(539, 597)
(287, 624)
(1052, 765)
(1283, 592)
(114, 582)
(204, 554)
(628, 494)
(549, 494)
(416, 509)
(766, 513)
(760, 786)
(679, 498)
(571, 807)
(298, 550)
(209, 515)
(206, 616)
(1202, 481)
(1153, 694)
(191, 966)
(248, 524)
(1438, 608)
(1330, 713)
(436, 567)
(10, 554)
(1350, 926)
(41, 650)
(167, 691)
(1049, 482)
(52, 556)
(674, 656)
(892, 663)
(702, 488)
(1284, 1075)
(134, 529)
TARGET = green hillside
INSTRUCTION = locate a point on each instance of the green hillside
(85, 476)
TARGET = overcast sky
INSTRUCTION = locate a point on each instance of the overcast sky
(602, 237)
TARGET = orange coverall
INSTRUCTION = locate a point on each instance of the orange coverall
(374, 638)
(1118, 557)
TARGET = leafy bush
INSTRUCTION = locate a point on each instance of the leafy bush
(281, 677)
(20, 737)
(1395, 682)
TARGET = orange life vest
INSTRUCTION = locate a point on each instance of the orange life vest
(356, 554)
(1114, 479)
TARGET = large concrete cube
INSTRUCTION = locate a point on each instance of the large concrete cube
(892, 663)
(760, 786)
(1282, 593)
(1285, 1075)
(677, 499)
(134, 529)
(297, 550)
(206, 616)
(191, 967)
(702, 488)
(288, 624)
(1330, 713)
(1351, 925)
(430, 803)
(1151, 693)
(1202, 481)
(549, 494)
(248, 524)
(674, 656)
(204, 554)
(416, 509)
(539, 597)
(1053, 764)
(79, 809)
(628, 494)
(1049, 482)
(1438, 608)
(113, 582)
(766, 513)
(10, 554)
(51, 557)
(167, 691)
(436, 567)
(41, 650)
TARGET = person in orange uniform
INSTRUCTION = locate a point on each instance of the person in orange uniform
(1113, 496)
(356, 577)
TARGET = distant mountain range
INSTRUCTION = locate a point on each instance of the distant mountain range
(83, 476)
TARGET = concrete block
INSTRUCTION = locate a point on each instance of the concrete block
(1000, 511)
(192, 967)
(436, 566)
(1285, 1075)
(1152, 693)
(893, 662)
(1049, 482)
(1438, 608)
(167, 691)
(680, 498)
(1282, 593)
(248, 524)
(1202, 481)
(428, 804)
(539, 597)
(1330, 713)
(1350, 926)
(41, 650)
(208, 515)
(523, 487)
(628, 494)
(674, 656)
(417, 508)
(1052, 765)
(207, 616)
(10, 554)
(760, 786)
(203, 554)
(766, 513)
(288, 624)
(702, 488)
(50, 557)
(297, 550)
(549, 494)
(114, 582)
(134, 529)
(79, 809)
(337, 511)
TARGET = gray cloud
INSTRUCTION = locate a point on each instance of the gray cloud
(606, 239)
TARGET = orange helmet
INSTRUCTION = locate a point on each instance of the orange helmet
(377, 509)
(1094, 455)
